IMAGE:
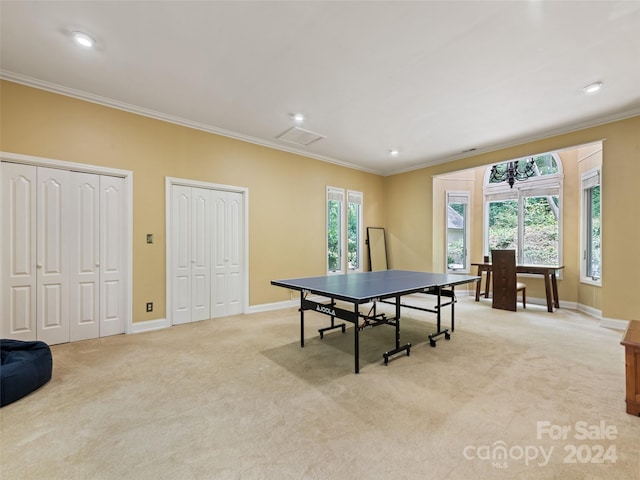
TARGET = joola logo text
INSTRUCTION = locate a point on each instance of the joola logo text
(327, 310)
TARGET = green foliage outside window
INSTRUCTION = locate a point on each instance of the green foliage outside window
(541, 237)
(503, 225)
(333, 234)
(593, 246)
(353, 227)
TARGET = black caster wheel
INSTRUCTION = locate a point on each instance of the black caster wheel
(432, 343)
(344, 328)
(447, 336)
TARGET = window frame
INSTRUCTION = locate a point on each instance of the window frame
(543, 185)
(589, 180)
(358, 199)
(458, 194)
(335, 194)
(345, 197)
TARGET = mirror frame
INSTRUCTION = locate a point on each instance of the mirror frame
(376, 241)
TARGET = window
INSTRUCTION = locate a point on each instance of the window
(344, 235)
(354, 230)
(457, 231)
(526, 217)
(591, 234)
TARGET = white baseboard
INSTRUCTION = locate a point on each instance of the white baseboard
(614, 323)
(268, 307)
(589, 311)
(149, 325)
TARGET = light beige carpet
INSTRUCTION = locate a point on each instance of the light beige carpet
(237, 398)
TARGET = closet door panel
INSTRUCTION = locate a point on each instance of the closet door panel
(201, 254)
(52, 311)
(227, 253)
(219, 254)
(112, 255)
(85, 257)
(181, 239)
(234, 234)
(18, 256)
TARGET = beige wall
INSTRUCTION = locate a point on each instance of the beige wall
(589, 158)
(286, 191)
(464, 180)
(411, 236)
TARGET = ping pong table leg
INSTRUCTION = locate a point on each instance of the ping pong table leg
(356, 344)
(445, 332)
(398, 348)
(333, 325)
(301, 323)
(453, 312)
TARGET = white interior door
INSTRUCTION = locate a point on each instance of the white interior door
(85, 257)
(181, 246)
(201, 254)
(18, 258)
(227, 253)
(113, 262)
(191, 254)
(205, 228)
(52, 267)
(64, 260)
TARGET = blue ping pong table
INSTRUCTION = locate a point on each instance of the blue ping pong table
(381, 286)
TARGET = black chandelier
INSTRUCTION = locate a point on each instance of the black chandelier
(512, 171)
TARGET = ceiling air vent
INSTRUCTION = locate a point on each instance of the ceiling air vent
(299, 136)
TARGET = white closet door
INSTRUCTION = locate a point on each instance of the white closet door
(85, 256)
(112, 255)
(52, 311)
(227, 253)
(201, 254)
(234, 253)
(18, 257)
(181, 240)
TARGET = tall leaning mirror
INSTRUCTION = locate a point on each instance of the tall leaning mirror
(377, 249)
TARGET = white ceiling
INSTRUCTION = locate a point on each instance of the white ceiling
(432, 79)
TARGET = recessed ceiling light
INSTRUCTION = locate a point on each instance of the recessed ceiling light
(592, 88)
(298, 117)
(394, 152)
(83, 39)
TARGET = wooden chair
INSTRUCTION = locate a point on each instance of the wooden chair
(505, 284)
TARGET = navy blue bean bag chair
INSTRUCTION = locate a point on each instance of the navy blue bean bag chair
(26, 366)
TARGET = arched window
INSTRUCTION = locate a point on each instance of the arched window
(522, 209)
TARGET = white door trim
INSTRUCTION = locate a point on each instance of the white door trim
(127, 175)
(169, 183)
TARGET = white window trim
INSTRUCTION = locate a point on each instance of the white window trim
(335, 192)
(467, 230)
(359, 196)
(588, 179)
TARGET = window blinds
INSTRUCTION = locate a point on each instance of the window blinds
(591, 179)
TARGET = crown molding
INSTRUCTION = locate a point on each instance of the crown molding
(127, 107)
(574, 127)
(89, 97)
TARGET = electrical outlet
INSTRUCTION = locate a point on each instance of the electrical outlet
(149, 306)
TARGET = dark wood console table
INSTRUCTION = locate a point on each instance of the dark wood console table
(631, 344)
(547, 271)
